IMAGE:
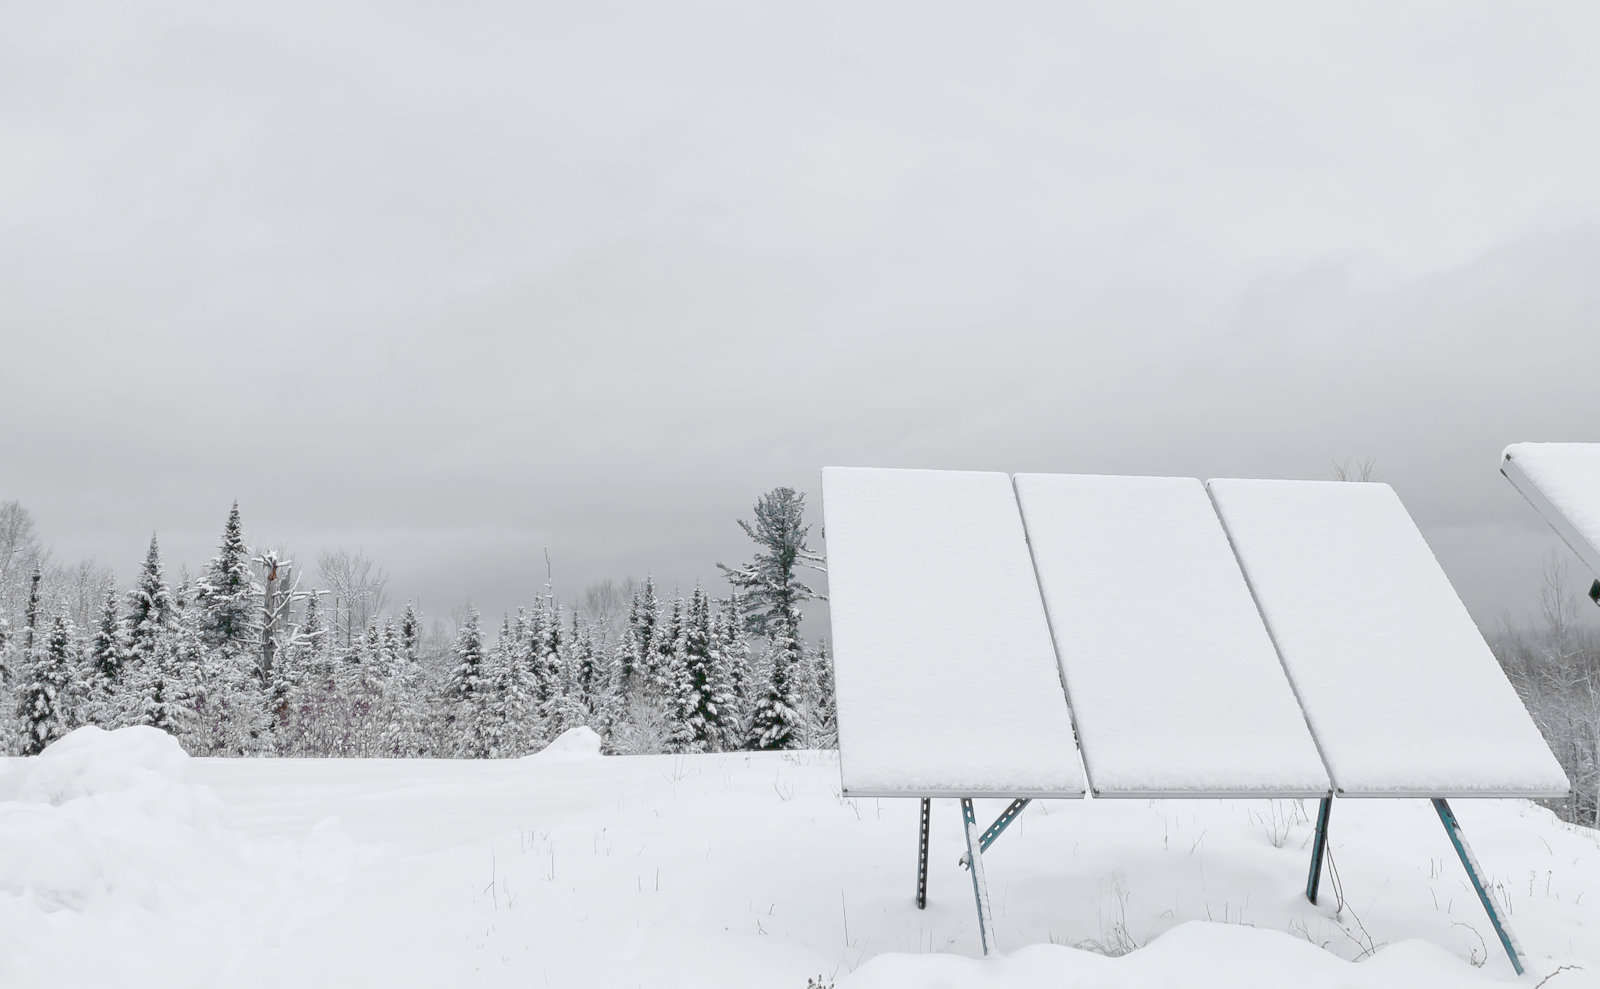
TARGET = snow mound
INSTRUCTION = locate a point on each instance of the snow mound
(579, 742)
(83, 802)
(92, 761)
(108, 844)
(1196, 955)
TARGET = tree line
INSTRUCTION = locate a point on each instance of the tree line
(241, 661)
(1554, 663)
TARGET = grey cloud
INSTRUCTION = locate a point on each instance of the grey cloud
(455, 284)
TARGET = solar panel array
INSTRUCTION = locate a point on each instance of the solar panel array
(1562, 482)
(950, 686)
(1242, 638)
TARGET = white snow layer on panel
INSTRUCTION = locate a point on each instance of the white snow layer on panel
(1172, 678)
(1568, 475)
(945, 675)
(1400, 690)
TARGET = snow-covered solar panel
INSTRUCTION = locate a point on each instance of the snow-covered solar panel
(1562, 482)
(1173, 681)
(944, 671)
(1402, 694)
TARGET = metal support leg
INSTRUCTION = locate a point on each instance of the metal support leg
(1319, 847)
(1000, 824)
(922, 859)
(980, 886)
(1452, 827)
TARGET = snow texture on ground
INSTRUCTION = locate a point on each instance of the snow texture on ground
(1568, 475)
(946, 676)
(1171, 675)
(126, 864)
(1401, 691)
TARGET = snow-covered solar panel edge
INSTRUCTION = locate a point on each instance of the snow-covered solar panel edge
(1175, 687)
(1401, 691)
(945, 674)
(1562, 482)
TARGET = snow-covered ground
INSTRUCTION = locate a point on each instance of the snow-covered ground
(125, 863)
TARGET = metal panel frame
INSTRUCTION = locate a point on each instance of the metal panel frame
(1587, 552)
(956, 794)
(977, 843)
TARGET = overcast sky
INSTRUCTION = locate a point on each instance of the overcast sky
(453, 283)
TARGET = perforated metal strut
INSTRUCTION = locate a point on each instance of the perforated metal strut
(1452, 827)
(1000, 824)
(922, 859)
(980, 885)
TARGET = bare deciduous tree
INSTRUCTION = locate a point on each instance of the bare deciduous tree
(359, 587)
(1355, 470)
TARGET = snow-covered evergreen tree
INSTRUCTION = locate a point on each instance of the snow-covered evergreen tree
(31, 616)
(106, 658)
(776, 721)
(410, 632)
(771, 591)
(667, 668)
(151, 609)
(639, 670)
(704, 698)
(772, 597)
(466, 680)
(228, 597)
(822, 709)
(506, 707)
(153, 698)
(545, 662)
(50, 686)
(108, 649)
(734, 645)
(586, 673)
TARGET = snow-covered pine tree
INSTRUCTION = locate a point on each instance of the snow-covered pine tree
(204, 682)
(31, 617)
(305, 702)
(402, 730)
(544, 661)
(410, 632)
(824, 710)
(734, 645)
(466, 681)
(776, 721)
(108, 653)
(152, 698)
(227, 597)
(586, 673)
(508, 711)
(314, 632)
(704, 698)
(360, 689)
(640, 669)
(151, 609)
(50, 688)
(10, 682)
(668, 666)
(773, 595)
(611, 708)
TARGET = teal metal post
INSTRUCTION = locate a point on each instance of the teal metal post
(980, 885)
(1000, 824)
(1452, 827)
(1319, 847)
